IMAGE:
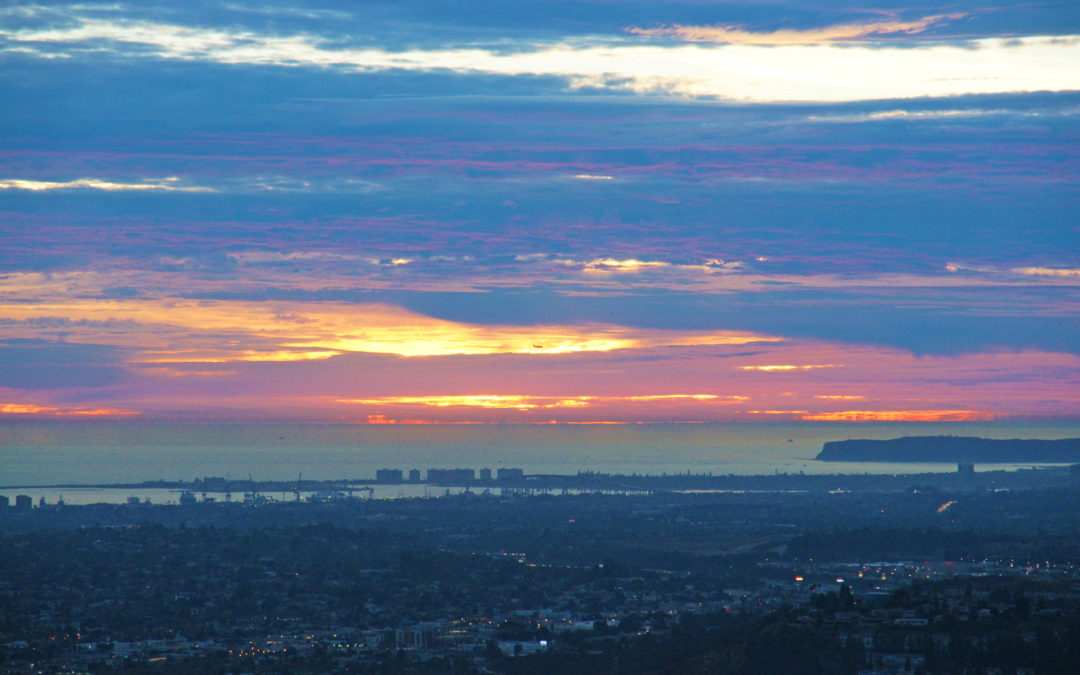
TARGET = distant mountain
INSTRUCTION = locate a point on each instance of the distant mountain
(951, 449)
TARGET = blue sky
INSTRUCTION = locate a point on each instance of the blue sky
(583, 211)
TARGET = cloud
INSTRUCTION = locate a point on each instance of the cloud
(1062, 275)
(476, 401)
(274, 257)
(613, 265)
(901, 416)
(596, 266)
(919, 115)
(639, 224)
(170, 184)
(782, 368)
(383, 419)
(964, 267)
(207, 356)
(34, 409)
(742, 72)
(834, 33)
(177, 331)
(1047, 272)
(51, 364)
(526, 402)
(176, 372)
(660, 384)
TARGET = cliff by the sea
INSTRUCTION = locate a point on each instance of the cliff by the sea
(952, 449)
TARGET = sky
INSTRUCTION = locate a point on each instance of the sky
(540, 212)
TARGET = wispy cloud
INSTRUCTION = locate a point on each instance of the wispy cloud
(728, 34)
(383, 419)
(34, 409)
(1060, 275)
(476, 401)
(919, 115)
(630, 265)
(525, 402)
(659, 384)
(273, 257)
(1048, 272)
(901, 416)
(801, 69)
(172, 331)
(613, 265)
(170, 184)
(787, 368)
(219, 356)
(177, 372)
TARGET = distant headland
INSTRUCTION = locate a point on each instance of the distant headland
(952, 449)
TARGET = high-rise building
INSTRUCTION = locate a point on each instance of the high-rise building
(451, 475)
(966, 474)
(388, 476)
(511, 474)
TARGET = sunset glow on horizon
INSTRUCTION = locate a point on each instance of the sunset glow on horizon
(612, 214)
(33, 409)
(901, 416)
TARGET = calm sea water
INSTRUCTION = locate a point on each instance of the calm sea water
(97, 453)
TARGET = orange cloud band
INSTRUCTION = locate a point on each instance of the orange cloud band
(845, 31)
(33, 409)
(177, 331)
(520, 402)
(782, 368)
(901, 416)
(383, 419)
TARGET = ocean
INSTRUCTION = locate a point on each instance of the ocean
(33, 453)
